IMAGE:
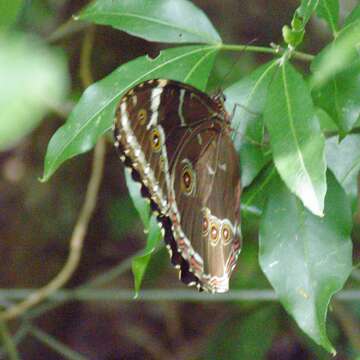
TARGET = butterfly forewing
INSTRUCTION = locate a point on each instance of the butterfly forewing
(176, 140)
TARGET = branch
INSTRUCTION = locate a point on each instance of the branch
(267, 50)
(76, 241)
(170, 294)
(8, 342)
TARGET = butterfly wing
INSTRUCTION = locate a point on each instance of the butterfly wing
(152, 114)
(205, 213)
(159, 124)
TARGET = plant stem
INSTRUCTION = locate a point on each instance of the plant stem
(171, 294)
(8, 342)
(267, 50)
(349, 324)
(55, 344)
(76, 241)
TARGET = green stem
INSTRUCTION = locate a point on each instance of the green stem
(267, 50)
(8, 342)
(55, 345)
(154, 295)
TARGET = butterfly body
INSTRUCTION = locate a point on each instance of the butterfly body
(176, 139)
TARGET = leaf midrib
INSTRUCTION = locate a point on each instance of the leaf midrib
(332, 24)
(293, 131)
(161, 22)
(54, 162)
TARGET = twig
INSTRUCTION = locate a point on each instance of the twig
(349, 324)
(76, 241)
(267, 50)
(55, 344)
(8, 342)
(170, 294)
(147, 341)
(99, 280)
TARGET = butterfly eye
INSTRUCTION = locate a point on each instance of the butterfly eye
(141, 116)
(205, 225)
(187, 179)
(155, 140)
(214, 233)
(226, 233)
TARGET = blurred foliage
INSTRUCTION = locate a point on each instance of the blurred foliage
(313, 102)
(33, 79)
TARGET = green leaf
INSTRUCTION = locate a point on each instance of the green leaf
(294, 36)
(238, 338)
(94, 113)
(9, 11)
(326, 122)
(252, 160)
(140, 263)
(307, 259)
(329, 11)
(141, 204)
(305, 10)
(337, 56)
(176, 21)
(353, 16)
(254, 197)
(296, 139)
(344, 161)
(30, 85)
(340, 98)
(247, 99)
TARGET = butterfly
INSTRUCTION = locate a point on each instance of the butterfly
(176, 140)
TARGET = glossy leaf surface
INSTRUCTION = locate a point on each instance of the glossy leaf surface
(296, 138)
(307, 259)
(175, 21)
(94, 113)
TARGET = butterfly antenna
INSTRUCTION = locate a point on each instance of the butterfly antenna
(235, 62)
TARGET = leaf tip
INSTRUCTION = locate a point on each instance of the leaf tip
(44, 178)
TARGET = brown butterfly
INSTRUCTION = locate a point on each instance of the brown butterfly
(176, 139)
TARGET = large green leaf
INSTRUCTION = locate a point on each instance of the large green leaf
(175, 21)
(344, 160)
(353, 16)
(329, 11)
(340, 98)
(337, 56)
(307, 259)
(296, 138)
(94, 113)
(247, 99)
